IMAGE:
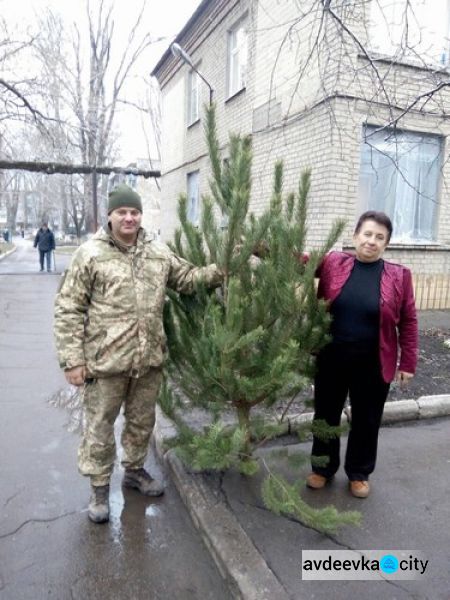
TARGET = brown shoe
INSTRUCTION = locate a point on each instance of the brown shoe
(316, 481)
(359, 489)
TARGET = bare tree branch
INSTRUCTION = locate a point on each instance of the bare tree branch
(50, 168)
(34, 111)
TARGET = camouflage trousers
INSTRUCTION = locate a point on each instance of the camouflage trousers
(103, 399)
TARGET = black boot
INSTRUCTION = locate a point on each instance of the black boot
(140, 480)
(98, 510)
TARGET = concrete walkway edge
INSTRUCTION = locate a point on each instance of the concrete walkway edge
(238, 560)
(425, 407)
(5, 254)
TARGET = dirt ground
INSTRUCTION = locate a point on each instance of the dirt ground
(433, 369)
(432, 376)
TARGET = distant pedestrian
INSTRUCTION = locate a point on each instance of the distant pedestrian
(110, 339)
(371, 302)
(22, 232)
(45, 242)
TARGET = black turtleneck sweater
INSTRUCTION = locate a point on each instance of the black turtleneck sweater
(356, 311)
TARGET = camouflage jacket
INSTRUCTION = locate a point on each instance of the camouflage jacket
(108, 310)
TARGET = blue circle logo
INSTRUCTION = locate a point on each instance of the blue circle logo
(389, 564)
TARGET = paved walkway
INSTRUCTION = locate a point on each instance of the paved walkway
(258, 553)
(48, 548)
(408, 509)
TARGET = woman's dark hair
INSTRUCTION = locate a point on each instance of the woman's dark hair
(379, 217)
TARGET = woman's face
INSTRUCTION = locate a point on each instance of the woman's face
(370, 241)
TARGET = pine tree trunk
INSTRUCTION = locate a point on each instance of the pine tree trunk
(243, 413)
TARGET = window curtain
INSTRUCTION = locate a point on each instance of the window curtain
(400, 176)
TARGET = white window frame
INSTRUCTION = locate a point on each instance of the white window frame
(237, 57)
(193, 197)
(400, 174)
(193, 97)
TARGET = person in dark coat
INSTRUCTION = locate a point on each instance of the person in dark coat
(45, 242)
(374, 340)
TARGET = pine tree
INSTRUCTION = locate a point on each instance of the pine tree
(251, 343)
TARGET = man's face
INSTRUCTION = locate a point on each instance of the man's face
(125, 222)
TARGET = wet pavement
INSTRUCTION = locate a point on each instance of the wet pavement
(407, 509)
(261, 553)
(48, 548)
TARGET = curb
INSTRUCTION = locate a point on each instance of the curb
(5, 254)
(243, 568)
(425, 407)
(239, 562)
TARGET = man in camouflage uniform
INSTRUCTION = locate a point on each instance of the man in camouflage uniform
(110, 339)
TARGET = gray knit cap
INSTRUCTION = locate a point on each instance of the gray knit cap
(123, 195)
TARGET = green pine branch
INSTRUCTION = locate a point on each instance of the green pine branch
(283, 498)
(250, 342)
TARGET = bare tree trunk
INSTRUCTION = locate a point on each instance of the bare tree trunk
(63, 199)
(11, 210)
(87, 194)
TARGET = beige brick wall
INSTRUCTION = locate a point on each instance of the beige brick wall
(298, 124)
(184, 148)
(431, 274)
(283, 41)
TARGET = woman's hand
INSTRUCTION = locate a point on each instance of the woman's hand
(76, 376)
(403, 378)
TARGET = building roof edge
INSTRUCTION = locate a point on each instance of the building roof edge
(193, 19)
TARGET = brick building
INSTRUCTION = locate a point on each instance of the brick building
(334, 86)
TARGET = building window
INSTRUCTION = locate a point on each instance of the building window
(193, 93)
(193, 197)
(414, 29)
(400, 174)
(237, 58)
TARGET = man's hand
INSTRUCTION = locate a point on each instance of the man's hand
(403, 378)
(76, 375)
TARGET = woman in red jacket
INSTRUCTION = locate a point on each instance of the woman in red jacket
(373, 314)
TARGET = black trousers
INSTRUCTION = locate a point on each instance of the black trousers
(48, 255)
(353, 370)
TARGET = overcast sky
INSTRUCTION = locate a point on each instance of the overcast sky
(162, 18)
